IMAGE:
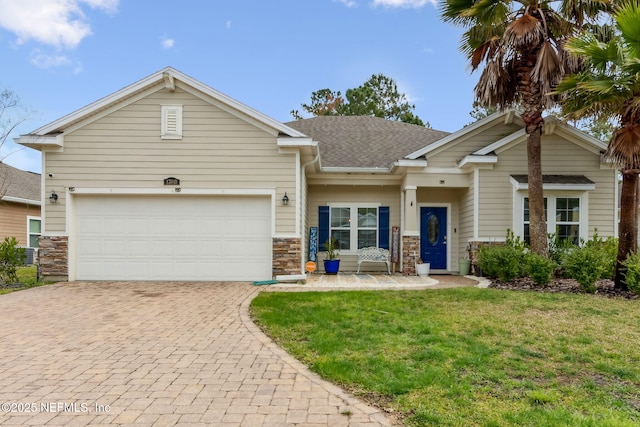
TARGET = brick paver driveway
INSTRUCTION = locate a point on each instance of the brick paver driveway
(148, 353)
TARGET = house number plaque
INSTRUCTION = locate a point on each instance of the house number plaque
(171, 181)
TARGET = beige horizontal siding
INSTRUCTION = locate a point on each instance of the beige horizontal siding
(454, 153)
(559, 156)
(217, 151)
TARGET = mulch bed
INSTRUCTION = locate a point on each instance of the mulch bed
(604, 288)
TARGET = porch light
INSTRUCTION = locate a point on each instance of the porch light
(285, 199)
(53, 198)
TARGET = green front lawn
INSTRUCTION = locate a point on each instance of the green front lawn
(27, 276)
(469, 357)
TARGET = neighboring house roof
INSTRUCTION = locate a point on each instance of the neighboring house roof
(364, 142)
(19, 186)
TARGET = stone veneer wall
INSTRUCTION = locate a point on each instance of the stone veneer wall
(53, 258)
(474, 249)
(410, 244)
(287, 254)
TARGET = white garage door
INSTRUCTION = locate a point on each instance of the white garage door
(172, 238)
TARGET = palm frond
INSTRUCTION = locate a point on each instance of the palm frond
(624, 147)
(495, 86)
(524, 32)
(548, 69)
(628, 22)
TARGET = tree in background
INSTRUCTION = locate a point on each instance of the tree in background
(12, 115)
(609, 89)
(377, 97)
(521, 44)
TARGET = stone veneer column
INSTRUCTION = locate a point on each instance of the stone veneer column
(53, 258)
(410, 244)
(287, 256)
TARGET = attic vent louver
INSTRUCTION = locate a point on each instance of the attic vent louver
(171, 122)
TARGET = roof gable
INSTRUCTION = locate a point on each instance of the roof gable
(503, 117)
(166, 78)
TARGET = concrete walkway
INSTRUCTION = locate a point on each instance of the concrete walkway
(156, 354)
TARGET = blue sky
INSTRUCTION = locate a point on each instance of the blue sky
(60, 55)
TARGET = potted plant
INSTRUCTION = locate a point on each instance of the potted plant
(331, 263)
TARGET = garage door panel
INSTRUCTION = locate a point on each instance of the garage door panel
(173, 238)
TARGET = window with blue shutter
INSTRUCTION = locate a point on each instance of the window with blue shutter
(355, 227)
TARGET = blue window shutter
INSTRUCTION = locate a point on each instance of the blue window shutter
(383, 227)
(323, 226)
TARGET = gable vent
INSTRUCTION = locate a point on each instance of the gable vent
(171, 122)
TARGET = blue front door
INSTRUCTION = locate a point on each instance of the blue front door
(433, 236)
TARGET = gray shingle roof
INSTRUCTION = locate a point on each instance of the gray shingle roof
(19, 184)
(364, 142)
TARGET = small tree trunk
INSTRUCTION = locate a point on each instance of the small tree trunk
(537, 222)
(627, 234)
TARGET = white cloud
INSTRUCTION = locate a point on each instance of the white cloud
(59, 23)
(228, 25)
(404, 3)
(42, 60)
(348, 3)
(167, 43)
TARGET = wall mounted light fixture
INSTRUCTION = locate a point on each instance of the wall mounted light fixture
(285, 199)
(53, 198)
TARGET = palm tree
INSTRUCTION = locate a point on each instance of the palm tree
(609, 88)
(521, 45)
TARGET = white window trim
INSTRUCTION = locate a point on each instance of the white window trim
(551, 196)
(167, 133)
(353, 244)
(29, 233)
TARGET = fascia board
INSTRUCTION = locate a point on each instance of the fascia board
(21, 200)
(335, 169)
(475, 159)
(40, 142)
(557, 187)
(296, 142)
(420, 163)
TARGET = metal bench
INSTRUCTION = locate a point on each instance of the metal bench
(373, 254)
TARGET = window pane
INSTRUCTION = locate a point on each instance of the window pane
(367, 238)
(568, 209)
(368, 217)
(526, 235)
(526, 209)
(34, 226)
(340, 217)
(33, 241)
(568, 232)
(343, 237)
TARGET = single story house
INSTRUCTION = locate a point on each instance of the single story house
(20, 206)
(169, 179)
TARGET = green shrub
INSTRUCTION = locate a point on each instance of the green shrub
(559, 249)
(632, 273)
(609, 251)
(587, 264)
(11, 257)
(503, 262)
(539, 268)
